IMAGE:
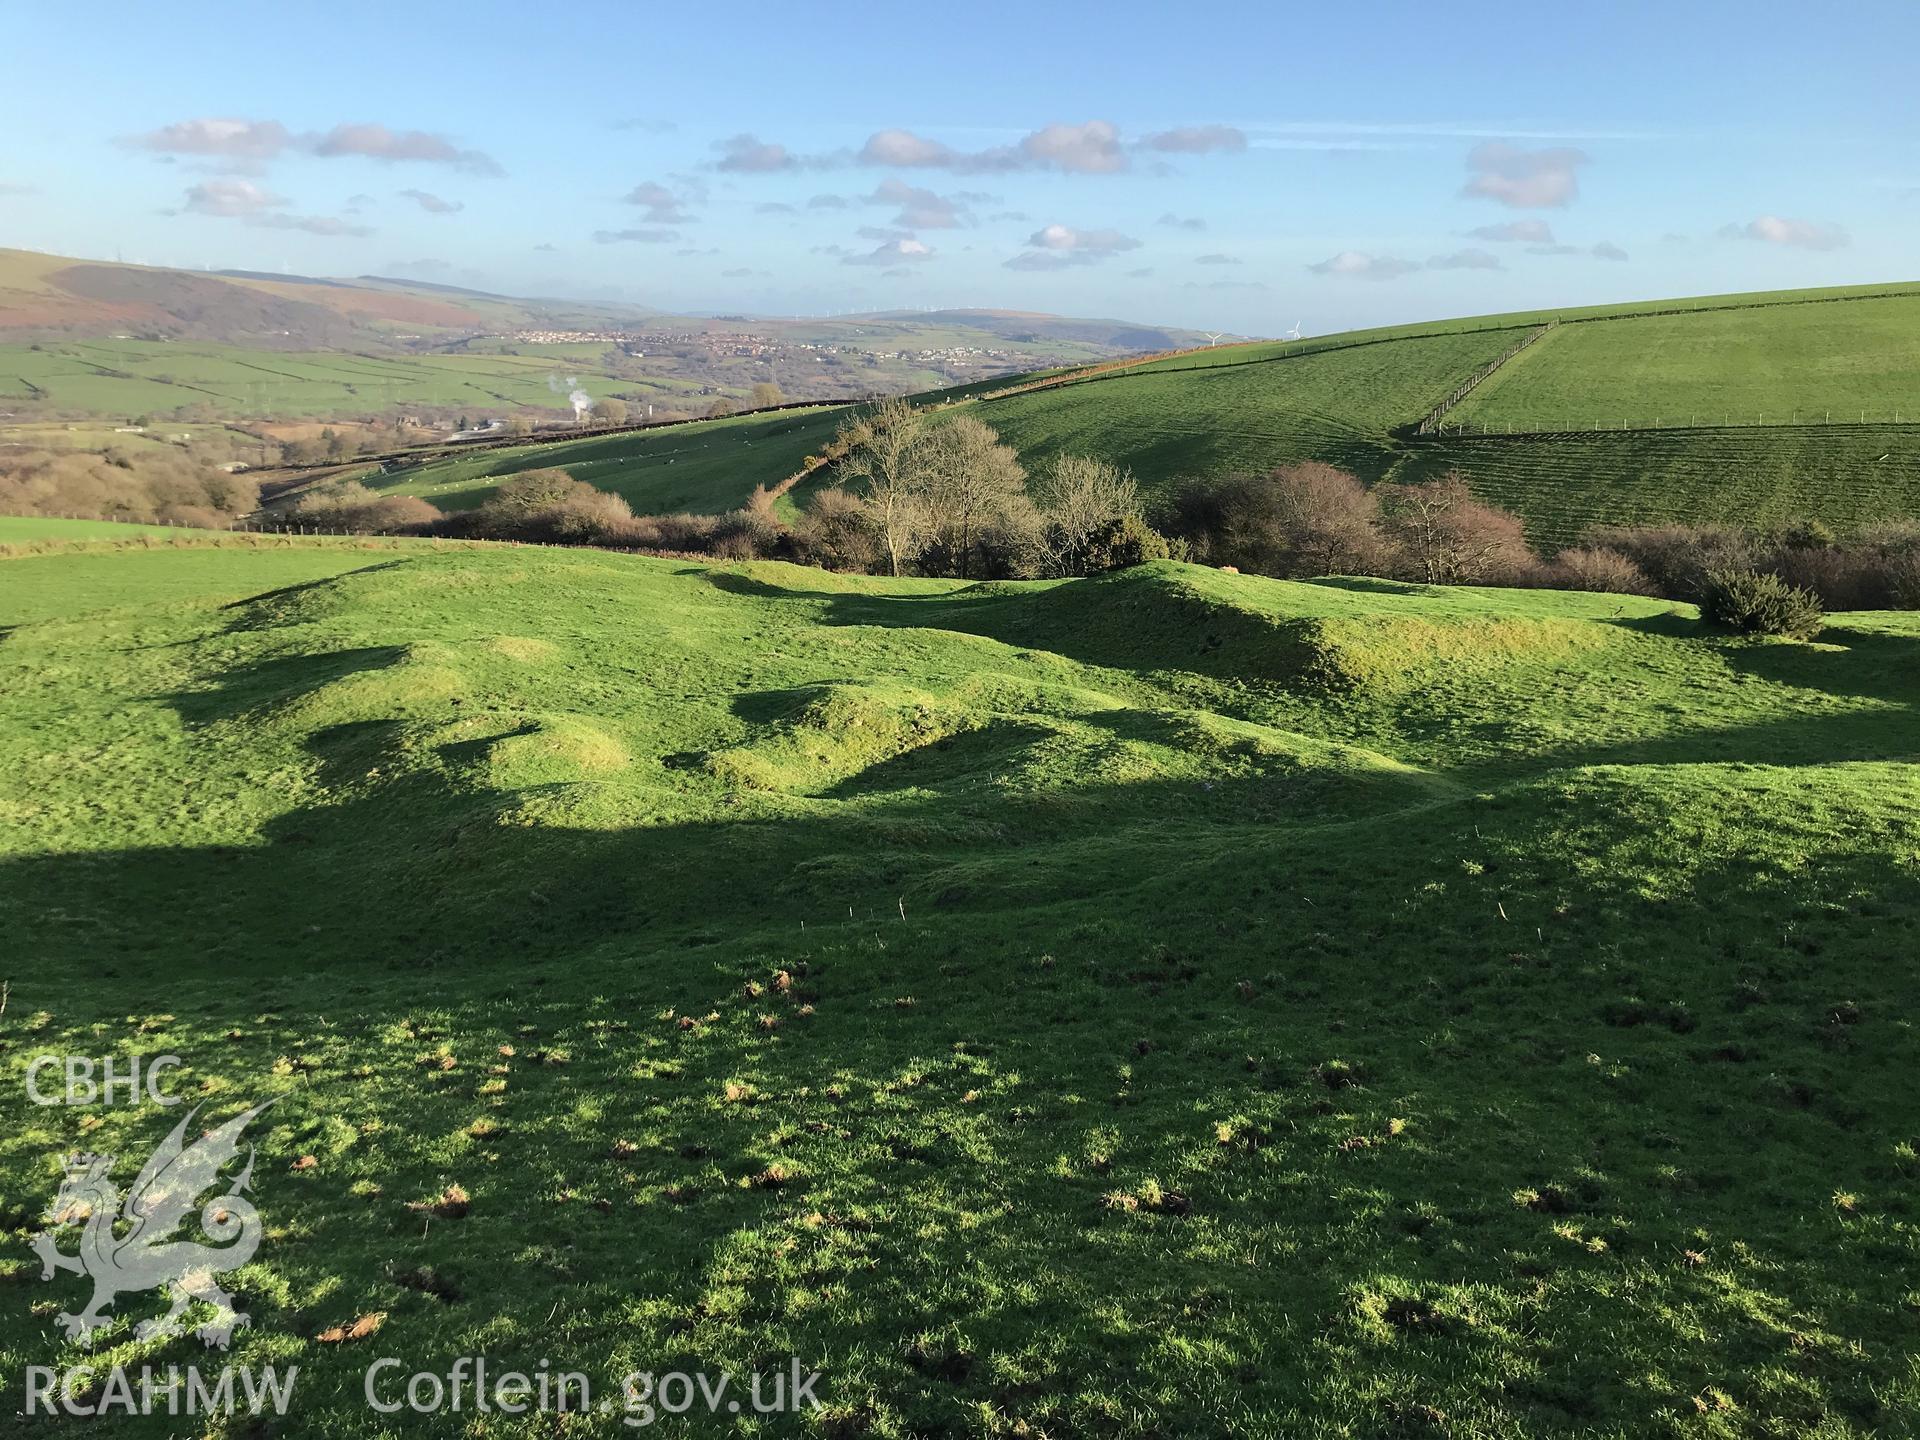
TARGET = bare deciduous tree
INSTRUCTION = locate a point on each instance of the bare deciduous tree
(1446, 537)
(1081, 497)
(883, 447)
(1326, 520)
(972, 481)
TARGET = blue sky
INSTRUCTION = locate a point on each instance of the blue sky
(1224, 166)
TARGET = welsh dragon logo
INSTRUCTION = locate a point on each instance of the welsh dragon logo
(146, 1255)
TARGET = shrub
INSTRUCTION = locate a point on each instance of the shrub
(745, 535)
(1904, 571)
(1676, 558)
(353, 509)
(837, 533)
(1803, 535)
(1594, 567)
(1127, 541)
(1297, 520)
(165, 485)
(1757, 603)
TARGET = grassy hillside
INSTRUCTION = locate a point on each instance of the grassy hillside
(131, 377)
(705, 466)
(1846, 475)
(1176, 1003)
(1352, 400)
(1164, 423)
(1813, 362)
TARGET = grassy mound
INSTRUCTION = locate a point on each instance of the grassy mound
(1014, 1005)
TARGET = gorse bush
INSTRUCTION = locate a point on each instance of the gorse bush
(1127, 541)
(1756, 602)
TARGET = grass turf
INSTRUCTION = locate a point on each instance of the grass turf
(1175, 1003)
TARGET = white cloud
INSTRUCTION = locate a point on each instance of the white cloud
(1217, 259)
(921, 209)
(1356, 265)
(892, 252)
(1176, 222)
(904, 148)
(662, 206)
(1089, 149)
(637, 237)
(1197, 140)
(231, 199)
(1524, 179)
(431, 203)
(747, 155)
(1468, 259)
(1515, 232)
(250, 144)
(246, 142)
(1800, 234)
(1607, 250)
(248, 203)
(1054, 247)
(377, 142)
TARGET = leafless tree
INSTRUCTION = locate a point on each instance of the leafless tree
(972, 483)
(1079, 498)
(1326, 520)
(884, 447)
(1446, 537)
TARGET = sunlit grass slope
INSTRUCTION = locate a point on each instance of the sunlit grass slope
(1174, 1003)
(1653, 412)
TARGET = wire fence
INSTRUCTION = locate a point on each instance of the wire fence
(1695, 420)
(1431, 421)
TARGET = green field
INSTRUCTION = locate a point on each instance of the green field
(27, 529)
(1168, 423)
(1352, 400)
(132, 377)
(1847, 475)
(1796, 363)
(705, 466)
(1173, 1004)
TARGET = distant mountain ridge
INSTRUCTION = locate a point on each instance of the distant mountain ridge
(52, 297)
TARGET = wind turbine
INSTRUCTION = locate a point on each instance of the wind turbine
(1294, 333)
(1213, 337)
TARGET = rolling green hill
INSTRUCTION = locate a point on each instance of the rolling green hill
(1816, 363)
(1723, 363)
(704, 466)
(1173, 1003)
